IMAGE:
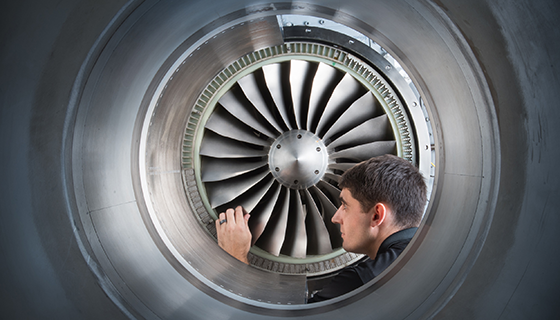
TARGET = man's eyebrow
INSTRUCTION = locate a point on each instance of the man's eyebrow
(342, 200)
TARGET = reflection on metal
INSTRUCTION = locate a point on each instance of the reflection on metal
(140, 204)
(291, 20)
(309, 111)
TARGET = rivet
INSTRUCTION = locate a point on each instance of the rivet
(296, 181)
(318, 149)
(316, 171)
(278, 146)
(277, 169)
(299, 136)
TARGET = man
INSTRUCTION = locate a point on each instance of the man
(382, 199)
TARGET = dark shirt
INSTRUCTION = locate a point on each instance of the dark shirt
(354, 276)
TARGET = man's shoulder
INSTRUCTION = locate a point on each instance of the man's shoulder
(390, 249)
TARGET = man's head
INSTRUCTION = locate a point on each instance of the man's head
(379, 197)
(392, 181)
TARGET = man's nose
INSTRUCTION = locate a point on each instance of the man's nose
(335, 218)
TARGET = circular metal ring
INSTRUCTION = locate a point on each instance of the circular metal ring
(308, 141)
(153, 112)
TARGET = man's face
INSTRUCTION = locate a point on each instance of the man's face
(354, 224)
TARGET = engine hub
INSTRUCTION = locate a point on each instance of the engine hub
(298, 159)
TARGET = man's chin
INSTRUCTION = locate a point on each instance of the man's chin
(352, 250)
(347, 249)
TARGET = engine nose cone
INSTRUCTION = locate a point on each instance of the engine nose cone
(298, 159)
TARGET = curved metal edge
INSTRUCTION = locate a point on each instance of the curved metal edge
(147, 110)
(65, 161)
(128, 10)
(344, 61)
(479, 229)
(305, 310)
(491, 166)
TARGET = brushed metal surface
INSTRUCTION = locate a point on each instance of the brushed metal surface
(215, 169)
(366, 107)
(372, 130)
(324, 81)
(231, 102)
(77, 242)
(345, 93)
(259, 91)
(273, 237)
(298, 159)
(163, 175)
(250, 86)
(223, 123)
(301, 73)
(273, 74)
(320, 242)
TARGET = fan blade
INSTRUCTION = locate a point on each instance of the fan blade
(332, 176)
(345, 93)
(249, 199)
(366, 151)
(222, 192)
(342, 166)
(224, 124)
(376, 129)
(262, 212)
(295, 244)
(301, 76)
(251, 89)
(318, 239)
(274, 234)
(328, 209)
(273, 75)
(324, 83)
(241, 108)
(332, 192)
(216, 169)
(214, 145)
(361, 110)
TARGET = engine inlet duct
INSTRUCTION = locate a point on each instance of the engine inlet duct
(274, 131)
(130, 138)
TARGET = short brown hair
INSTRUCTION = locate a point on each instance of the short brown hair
(390, 180)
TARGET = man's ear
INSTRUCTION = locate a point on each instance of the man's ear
(379, 211)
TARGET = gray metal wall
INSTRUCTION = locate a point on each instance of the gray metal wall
(44, 274)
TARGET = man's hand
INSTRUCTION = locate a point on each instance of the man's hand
(233, 232)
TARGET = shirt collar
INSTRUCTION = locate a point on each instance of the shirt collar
(405, 234)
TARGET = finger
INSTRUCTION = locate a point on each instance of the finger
(221, 217)
(230, 216)
(239, 215)
(246, 216)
